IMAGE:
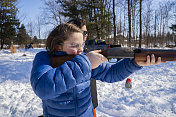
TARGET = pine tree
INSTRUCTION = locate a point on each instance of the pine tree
(71, 8)
(22, 37)
(8, 21)
(95, 12)
(173, 27)
(35, 40)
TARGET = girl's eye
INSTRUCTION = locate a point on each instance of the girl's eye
(74, 45)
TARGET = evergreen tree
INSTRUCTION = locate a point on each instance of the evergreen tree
(35, 40)
(173, 27)
(71, 8)
(95, 12)
(8, 21)
(22, 37)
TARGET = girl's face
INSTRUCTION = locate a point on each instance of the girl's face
(73, 45)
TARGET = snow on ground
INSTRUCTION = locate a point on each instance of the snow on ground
(153, 92)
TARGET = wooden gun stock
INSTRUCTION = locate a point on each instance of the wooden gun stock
(56, 61)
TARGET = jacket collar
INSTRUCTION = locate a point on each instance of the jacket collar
(60, 53)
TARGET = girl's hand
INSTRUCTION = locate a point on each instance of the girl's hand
(150, 61)
(95, 58)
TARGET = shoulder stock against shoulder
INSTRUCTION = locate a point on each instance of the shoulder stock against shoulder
(56, 61)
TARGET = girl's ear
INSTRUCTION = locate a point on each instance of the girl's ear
(58, 47)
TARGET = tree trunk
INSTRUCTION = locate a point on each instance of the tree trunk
(114, 19)
(96, 23)
(129, 23)
(123, 41)
(140, 35)
(2, 43)
(155, 29)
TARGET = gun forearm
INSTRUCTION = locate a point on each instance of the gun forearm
(165, 56)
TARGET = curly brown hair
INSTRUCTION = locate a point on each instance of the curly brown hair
(60, 34)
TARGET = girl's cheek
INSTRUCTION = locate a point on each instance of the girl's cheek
(72, 52)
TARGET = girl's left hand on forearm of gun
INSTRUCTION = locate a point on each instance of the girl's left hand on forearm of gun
(150, 61)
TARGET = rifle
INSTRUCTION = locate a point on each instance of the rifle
(124, 52)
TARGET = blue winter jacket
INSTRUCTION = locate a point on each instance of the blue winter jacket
(65, 90)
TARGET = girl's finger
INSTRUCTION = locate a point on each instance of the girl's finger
(97, 51)
(148, 60)
(152, 59)
(158, 61)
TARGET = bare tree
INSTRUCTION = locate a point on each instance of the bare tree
(155, 28)
(147, 21)
(38, 26)
(108, 18)
(51, 13)
(166, 9)
(114, 22)
(133, 13)
(140, 35)
(124, 20)
(31, 29)
(129, 23)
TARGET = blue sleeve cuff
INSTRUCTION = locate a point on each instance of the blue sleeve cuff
(136, 63)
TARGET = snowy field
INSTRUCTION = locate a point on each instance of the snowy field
(153, 93)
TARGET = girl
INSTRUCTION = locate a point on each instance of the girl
(81, 23)
(65, 90)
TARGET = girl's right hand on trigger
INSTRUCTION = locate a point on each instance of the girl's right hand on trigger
(96, 58)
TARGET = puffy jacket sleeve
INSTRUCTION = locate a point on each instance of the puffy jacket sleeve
(48, 82)
(117, 72)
